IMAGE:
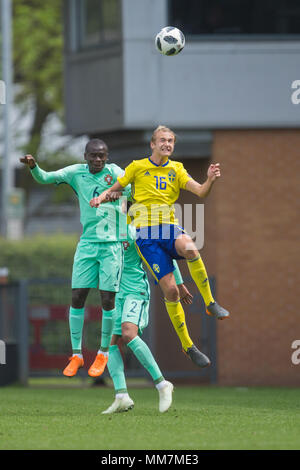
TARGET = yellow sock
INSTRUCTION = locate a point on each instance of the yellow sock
(199, 275)
(177, 317)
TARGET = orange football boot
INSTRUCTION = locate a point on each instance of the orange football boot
(73, 366)
(98, 366)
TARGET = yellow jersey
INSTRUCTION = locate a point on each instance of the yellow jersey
(154, 190)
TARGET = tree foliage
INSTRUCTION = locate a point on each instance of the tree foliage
(38, 61)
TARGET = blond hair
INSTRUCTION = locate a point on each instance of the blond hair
(163, 129)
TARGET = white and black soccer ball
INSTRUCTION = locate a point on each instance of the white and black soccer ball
(170, 41)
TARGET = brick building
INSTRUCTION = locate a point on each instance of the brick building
(257, 255)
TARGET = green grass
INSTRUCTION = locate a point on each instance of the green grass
(200, 418)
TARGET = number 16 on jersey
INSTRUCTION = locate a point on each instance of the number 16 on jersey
(160, 182)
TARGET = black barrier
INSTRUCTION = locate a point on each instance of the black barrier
(34, 332)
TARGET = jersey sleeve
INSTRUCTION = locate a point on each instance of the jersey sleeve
(119, 173)
(177, 273)
(64, 175)
(128, 176)
(183, 177)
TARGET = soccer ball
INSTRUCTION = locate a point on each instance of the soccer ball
(170, 41)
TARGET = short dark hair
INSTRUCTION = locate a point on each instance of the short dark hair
(95, 143)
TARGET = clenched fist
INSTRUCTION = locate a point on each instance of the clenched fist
(28, 160)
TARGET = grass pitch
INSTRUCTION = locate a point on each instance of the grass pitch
(201, 418)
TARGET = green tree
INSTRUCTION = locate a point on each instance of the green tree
(38, 70)
(38, 61)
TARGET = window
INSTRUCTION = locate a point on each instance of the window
(98, 22)
(236, 17)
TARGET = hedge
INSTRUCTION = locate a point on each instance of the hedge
(42, 257)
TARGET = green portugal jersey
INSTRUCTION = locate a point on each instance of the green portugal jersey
(134, 277)
(108, 222)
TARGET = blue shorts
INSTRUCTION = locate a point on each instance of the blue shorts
(156, 247)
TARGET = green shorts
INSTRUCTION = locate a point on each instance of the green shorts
(98, 264)
(133, 309)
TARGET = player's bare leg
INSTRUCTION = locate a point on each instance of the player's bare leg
(186, 248)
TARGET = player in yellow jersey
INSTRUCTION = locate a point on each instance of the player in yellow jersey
(155, 184)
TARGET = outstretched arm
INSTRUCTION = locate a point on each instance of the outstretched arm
(106, 195)
(42, 176)
(202, 190)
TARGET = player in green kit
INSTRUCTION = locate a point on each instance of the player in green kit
(98, 260)
(130, 320)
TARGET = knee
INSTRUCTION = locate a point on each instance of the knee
(108, 300)
(79, 297)
(172, 293)
(128, 333)
(186, 247)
